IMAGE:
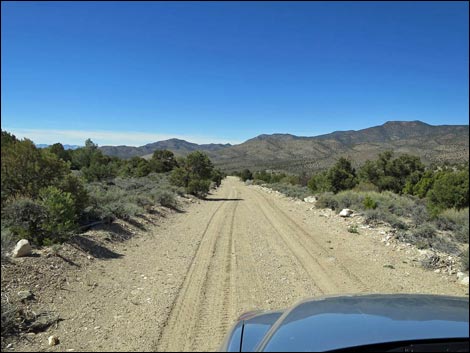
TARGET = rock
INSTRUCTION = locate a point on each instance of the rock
(25, 295)
(461, 275)
(345, 212)
(310, 199)
(464, 281)
(53, 340)
(22, 248)
(437, 271)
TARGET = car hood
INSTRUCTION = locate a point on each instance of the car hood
(330, 323)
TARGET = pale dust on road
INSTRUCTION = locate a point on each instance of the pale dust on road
(182, 287)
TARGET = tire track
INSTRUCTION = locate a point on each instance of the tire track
(179, 308)
(283, 253)
(305, 239)
(190, 318)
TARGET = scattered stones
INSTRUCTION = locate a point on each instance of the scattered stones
(25, 295)
(53, 340)
(346, 212)
(22, 248)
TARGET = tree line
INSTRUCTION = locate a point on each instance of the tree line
(442, 186)
(43, 191)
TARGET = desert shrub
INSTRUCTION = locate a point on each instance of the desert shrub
(295, 191)
(9, 313)
(122, 209)
(24, 218)
(353, 229)
(26, 169)
(74, 186)
(198, 187)
(349, 199)
(419, 214)
(8, 241)
(426, 236)
(456, 221)
(246, 175)
(369, 203)
(449, 190)
(319, 183)
(217, 177)
(327, 200)
(464, 260)
(365, 186)
(60, 218)
(167, 199)
(342, 176)
(162, 161)
(425, 231)
(451, 219)
(375, 216)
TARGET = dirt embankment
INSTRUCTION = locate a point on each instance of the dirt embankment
(180, 285)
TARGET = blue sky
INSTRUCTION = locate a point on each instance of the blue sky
(137, 72)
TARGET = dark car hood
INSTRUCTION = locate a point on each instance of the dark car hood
(347, 321)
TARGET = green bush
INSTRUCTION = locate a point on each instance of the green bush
(8, 241)
(327, 200)
(452, 219)
(246, 175)
(369, 203)
(342, 176)
(295, 191)
(61, 215)
(198, 187)
(449, 190)
(24, 218)
(25, 170)
(167, 199)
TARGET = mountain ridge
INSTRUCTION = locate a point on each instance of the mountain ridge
(433, 143)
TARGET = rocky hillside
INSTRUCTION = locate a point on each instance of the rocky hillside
(294, 153)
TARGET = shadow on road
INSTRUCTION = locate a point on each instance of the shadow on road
(222, 199)
(93, 248)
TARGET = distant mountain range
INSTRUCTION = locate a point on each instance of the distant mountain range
(178, 147)
(295, 153)
(66, 147)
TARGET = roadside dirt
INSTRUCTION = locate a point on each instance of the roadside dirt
(182, 283)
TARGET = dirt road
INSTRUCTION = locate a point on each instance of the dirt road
(180, 287)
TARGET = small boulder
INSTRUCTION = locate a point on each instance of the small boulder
(53, 340)
(310, 199)
(25, 295)
(461, 275)
(22, 248)
(464, 281)
(346, 212)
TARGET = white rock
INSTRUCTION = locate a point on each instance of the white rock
(461, 275)
(310, 199)
(345, 212)
(53, 340)
(22, 248)
(464, 281)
